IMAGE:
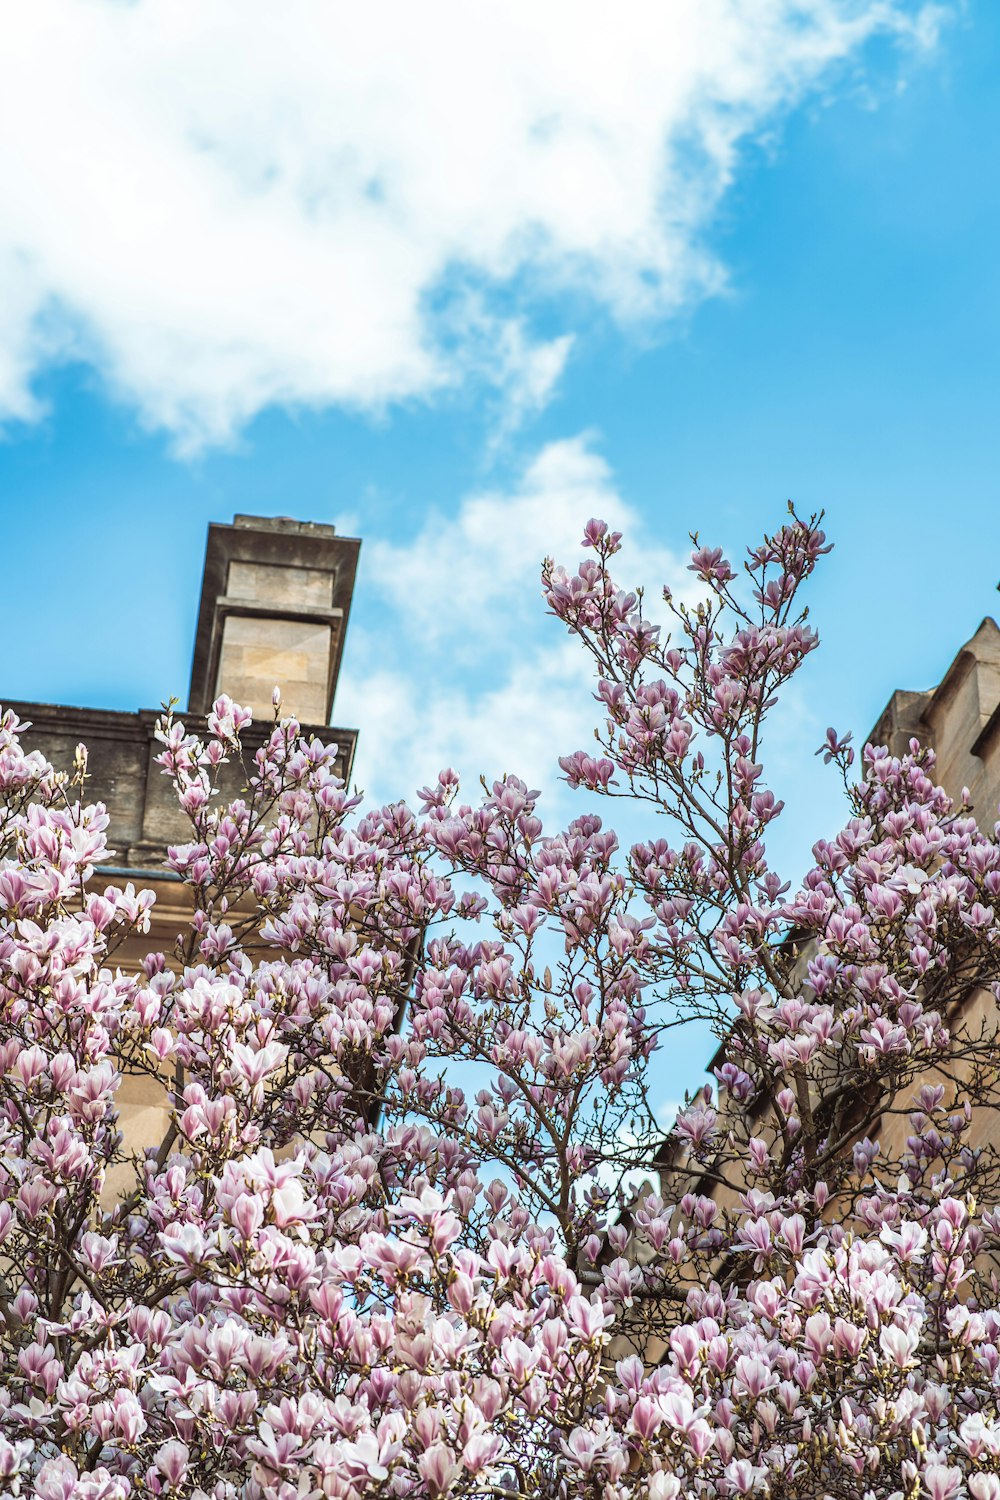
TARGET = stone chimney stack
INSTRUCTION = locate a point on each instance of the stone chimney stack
(275, 597)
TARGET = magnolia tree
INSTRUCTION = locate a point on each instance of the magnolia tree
(390, 1243)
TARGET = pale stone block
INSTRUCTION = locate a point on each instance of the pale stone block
(259, 654)
(280, 584)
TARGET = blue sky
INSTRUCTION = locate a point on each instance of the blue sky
(458, 299)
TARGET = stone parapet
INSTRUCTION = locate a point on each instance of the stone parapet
(275, 600)
(123, 773)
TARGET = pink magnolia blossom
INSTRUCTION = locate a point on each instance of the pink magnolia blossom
(391, 1243)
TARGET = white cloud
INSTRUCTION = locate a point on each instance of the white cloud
(477, 573)
(235, 204)
(486, 682)
(520, 722)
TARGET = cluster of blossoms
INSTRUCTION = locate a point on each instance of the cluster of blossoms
(389, 1242)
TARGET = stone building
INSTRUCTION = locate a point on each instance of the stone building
(275, 600)
(960, 720)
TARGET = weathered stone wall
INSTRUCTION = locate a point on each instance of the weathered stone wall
(140, 799)
(959, 719)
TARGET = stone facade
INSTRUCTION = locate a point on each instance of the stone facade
(959, 719)
(275, 599)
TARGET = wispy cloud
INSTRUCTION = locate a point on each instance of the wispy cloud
(481, 678)
(237, 204)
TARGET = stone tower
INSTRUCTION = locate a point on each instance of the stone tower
(275, 598)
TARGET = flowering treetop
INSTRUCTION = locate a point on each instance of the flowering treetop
(386, 1245)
